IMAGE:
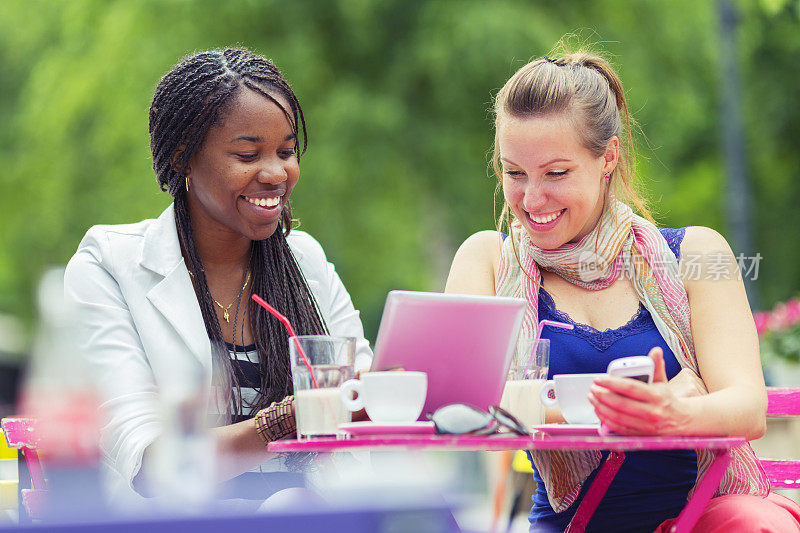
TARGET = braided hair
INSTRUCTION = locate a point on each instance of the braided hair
(189, 100)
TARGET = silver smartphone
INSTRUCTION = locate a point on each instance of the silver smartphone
(639, 367)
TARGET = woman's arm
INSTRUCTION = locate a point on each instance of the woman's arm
(239, 449)
(108, 339)
(725, 340)
(475, 265)
(726, 347)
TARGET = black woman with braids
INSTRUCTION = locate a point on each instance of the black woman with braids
(227, 133)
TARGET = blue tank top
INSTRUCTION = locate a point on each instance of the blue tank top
(650, 487)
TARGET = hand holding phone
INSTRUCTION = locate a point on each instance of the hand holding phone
(639, 367)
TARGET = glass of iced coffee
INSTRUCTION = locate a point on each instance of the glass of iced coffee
(318, 407)
(526, 377)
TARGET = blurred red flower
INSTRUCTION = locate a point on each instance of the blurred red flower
(779, 331)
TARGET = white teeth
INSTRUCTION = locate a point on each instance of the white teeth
(264, 202)
(546, 219)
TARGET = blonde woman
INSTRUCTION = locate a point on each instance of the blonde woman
(577, 251)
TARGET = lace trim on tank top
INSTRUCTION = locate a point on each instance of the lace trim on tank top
(640, 322)
(600, 340)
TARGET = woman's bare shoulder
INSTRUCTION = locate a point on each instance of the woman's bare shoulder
(703, 240)
(475, 264)
(707, 261)
(484, 242)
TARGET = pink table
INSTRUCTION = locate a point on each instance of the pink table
(616, 445)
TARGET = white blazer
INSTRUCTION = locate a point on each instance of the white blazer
(139, 323)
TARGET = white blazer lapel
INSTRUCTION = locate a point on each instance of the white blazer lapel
(174, 295)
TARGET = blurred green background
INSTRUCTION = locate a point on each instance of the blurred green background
(396, 95)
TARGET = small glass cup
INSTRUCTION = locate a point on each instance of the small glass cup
(526, 377)
(319, 410)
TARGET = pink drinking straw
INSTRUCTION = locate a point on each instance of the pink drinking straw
(542, 324)
(274, 312)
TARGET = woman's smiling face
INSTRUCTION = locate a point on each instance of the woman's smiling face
(553, 184)
(242, 175)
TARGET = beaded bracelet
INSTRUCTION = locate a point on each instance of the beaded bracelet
(276, 421)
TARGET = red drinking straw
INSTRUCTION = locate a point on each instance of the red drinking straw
(274, 312)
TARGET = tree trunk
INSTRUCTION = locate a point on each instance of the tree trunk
(738, 199)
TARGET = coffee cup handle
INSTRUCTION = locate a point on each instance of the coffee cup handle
(345, 393)
(544, 394)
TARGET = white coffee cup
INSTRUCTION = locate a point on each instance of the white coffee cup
(388, 397)
(570, 393)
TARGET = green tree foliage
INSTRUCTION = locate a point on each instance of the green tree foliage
(397, 97)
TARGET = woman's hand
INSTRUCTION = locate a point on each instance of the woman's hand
(629, 407)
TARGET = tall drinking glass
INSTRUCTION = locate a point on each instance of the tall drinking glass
(526, 377)
(319, 409)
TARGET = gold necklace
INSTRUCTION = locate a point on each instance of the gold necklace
(225, 310)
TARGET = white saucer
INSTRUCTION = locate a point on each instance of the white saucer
(569, 429)
(396, 428)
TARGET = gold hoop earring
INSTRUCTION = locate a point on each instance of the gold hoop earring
(187, 183)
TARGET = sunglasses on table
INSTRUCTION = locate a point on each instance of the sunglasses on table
(462, 419)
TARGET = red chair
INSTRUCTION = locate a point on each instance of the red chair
(783, 403)
(20, 434)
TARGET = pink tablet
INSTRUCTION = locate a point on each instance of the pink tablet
(464, 343)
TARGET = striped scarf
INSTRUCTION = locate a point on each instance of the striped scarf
(621, 242)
